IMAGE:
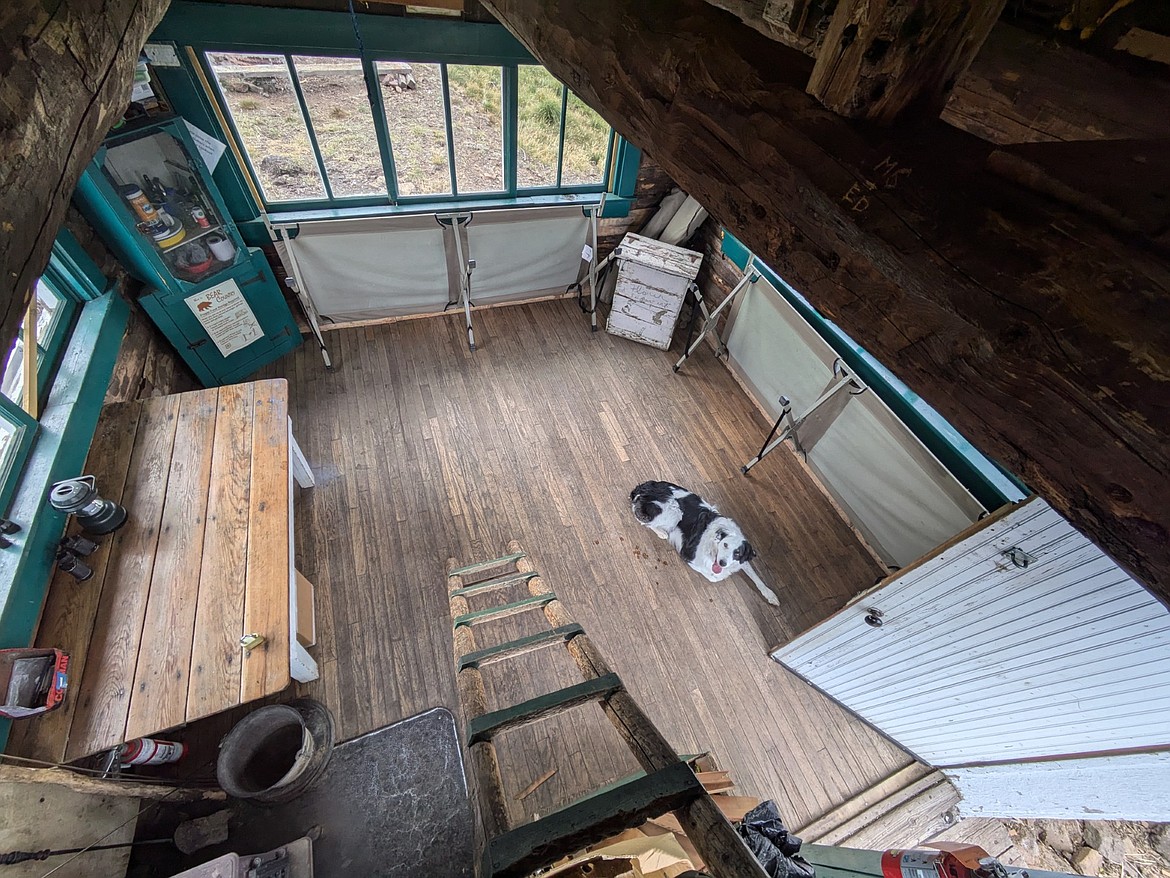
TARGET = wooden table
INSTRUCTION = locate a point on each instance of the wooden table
(205, 558)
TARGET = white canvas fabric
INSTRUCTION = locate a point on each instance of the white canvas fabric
(890, 485)
(388, 266)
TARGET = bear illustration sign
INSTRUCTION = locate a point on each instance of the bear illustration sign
(226, 316)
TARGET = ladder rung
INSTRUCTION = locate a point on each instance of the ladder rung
(527, 848)
(484, 565)
(518, 647)
(493, 584)
(474, 618)
(483, 728)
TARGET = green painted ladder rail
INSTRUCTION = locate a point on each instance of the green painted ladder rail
(667, 784)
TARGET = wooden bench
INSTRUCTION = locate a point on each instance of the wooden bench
(205, 558)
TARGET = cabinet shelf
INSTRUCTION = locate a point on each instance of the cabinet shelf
(188, 238)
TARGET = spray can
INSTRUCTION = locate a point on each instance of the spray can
(149, 751)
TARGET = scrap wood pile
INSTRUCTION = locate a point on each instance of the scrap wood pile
(658, 848)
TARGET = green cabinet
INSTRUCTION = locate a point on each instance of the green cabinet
(150, 194)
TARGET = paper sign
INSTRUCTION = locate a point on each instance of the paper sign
(209, 148)
(162, 55)
(226, 316)
(587, 253)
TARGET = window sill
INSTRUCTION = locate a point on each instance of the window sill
(59, 451)
(292, 217)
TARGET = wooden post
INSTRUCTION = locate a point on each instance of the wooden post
(97, 786)
(884, 60)
(486, 784)
(29, 349)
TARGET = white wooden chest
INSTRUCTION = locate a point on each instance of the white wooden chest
(652, 283)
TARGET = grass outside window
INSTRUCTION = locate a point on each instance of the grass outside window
(335, 131)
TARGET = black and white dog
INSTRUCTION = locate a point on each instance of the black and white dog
(709, 542)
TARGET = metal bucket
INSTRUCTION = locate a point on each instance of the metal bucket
(275, 753)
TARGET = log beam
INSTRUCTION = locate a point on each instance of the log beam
(885, 60)
(1035, 330)
(66, 70)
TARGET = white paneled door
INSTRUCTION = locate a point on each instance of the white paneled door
(1020, 641)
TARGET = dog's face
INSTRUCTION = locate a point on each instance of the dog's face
(731, 547)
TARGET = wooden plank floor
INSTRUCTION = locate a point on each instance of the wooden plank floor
(424, 451)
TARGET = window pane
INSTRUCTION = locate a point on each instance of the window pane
(9, 434)
(538, 127)
(413, 97)
(13, 382)
(258, 92)
(476, 124)
(586, 140)
(48, 312)
(339, 107)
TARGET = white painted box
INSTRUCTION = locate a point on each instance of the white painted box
(652, 283)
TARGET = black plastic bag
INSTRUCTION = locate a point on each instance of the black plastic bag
(772, 844)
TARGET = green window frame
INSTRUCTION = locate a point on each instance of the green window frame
(509, 94)
(70, 282)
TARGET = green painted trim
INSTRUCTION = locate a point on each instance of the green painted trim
(308, 120)
(503, 610)
(69, 260)
(509, 109)
(446, 83)
(240, 28)
(988, 482)
(484, 565)
(629, 778)
(522, 850)
(561, 136)
(629, 162)
(487, 726)
(381, 129)
(519, 646)
(616, 206)
(66, 429)
(493, 584)
(26, 432)
(414, 208)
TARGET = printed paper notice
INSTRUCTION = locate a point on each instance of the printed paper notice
(209, 148)
(226, 316)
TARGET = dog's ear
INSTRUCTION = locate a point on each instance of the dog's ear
(744, 553)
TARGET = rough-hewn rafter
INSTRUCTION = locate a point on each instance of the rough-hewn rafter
(65, 76)
(884, 60)
(1040, 334)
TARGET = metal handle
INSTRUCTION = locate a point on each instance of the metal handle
(874, 617)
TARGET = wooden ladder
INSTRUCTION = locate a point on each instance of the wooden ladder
(668, 785)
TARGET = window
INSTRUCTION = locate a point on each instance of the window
(560, 140)
(53, 309)
(332, 131)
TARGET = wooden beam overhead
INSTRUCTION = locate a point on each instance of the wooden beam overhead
(1037, 331)
(65, 75)
(883, 59)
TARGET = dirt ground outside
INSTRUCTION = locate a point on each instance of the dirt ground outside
(1105, 848)
(262, 99)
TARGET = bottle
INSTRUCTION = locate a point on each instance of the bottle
(140, 203)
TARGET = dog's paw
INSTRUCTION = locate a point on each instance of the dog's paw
(661, 533)
(772, 599)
